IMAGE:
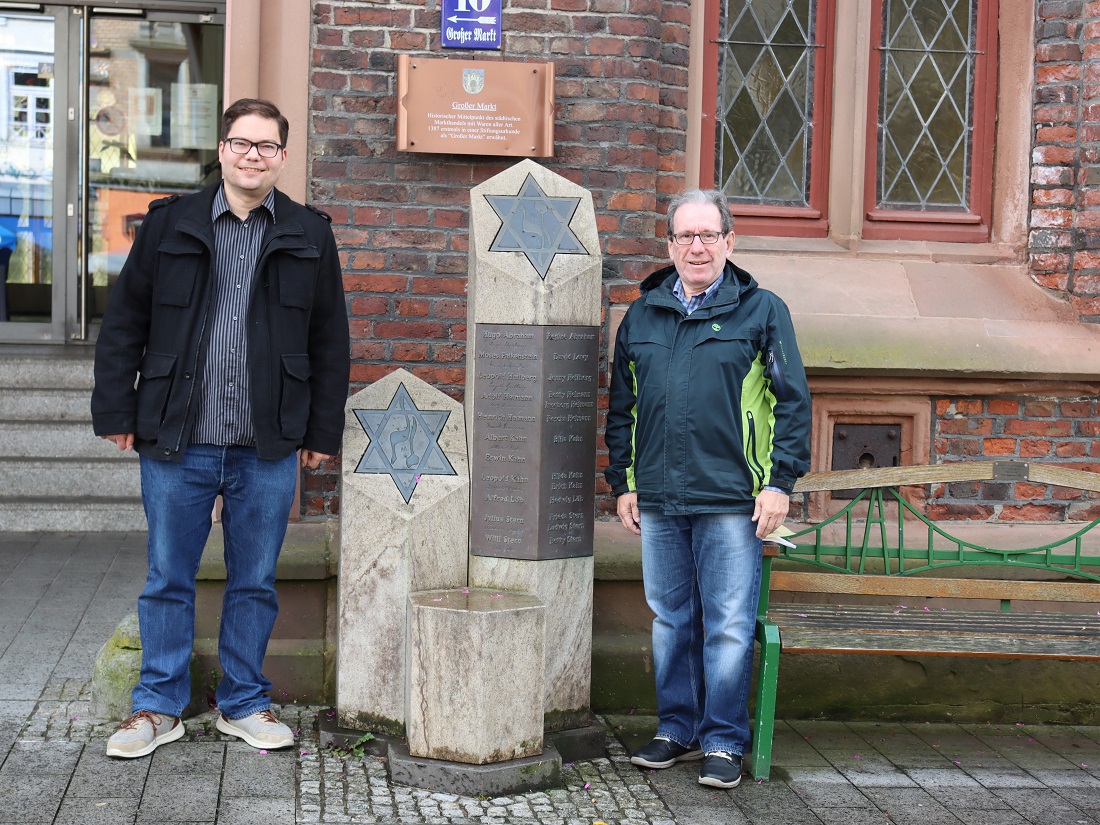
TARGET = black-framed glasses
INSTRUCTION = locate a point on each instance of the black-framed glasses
(688, 238)
(266, 148)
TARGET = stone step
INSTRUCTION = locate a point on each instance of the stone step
(44, 405)
(56, 478)
(71, 515)
(44, 439)
(47, 371)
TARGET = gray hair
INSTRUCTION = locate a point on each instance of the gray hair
(712, 196)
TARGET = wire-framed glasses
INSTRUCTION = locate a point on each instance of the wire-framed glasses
(266, 148)
(688, 238)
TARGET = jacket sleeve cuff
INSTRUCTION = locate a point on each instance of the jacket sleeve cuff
(778, 486)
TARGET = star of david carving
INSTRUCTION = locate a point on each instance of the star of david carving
(536, 225)
(404, 443)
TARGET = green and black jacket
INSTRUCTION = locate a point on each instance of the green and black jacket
(698, 422)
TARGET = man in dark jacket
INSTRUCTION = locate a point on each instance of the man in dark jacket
(230, 315)
(707, 431)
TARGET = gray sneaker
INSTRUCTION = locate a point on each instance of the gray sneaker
(143, 733)
(260, 730)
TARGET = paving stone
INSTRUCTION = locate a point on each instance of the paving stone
(1066, 779)
(187, 758)
(30, 797)
(911, 805)
(251, 811)
(1042, 807)
(851, 816)
(1003, 817)
(1004, 778)
(829, 791)
(42, 758)
(101, 810)
(259, 775)
(167, 797)
(99, 775)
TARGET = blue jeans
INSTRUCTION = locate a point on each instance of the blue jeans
(702, 579)
(178, 499)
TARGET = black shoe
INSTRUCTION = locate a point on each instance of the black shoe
(721, 770)
(663, 753)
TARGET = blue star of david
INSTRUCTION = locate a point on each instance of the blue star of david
(404, 443)
(536, 225)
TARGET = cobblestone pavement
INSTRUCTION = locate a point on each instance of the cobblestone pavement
(61, 596)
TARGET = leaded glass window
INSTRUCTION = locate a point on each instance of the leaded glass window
(926, 104)
(765, 101)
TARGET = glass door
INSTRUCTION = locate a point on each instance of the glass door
(154, 109)
(32, 145)
(102, 110)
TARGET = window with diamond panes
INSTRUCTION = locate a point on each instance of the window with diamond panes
(931, 80)
(772, 102)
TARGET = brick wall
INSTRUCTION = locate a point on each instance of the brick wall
(1064, 236)
(1063, 432)
(401, 218)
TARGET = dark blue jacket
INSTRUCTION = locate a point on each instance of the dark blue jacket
(698, 421)
(156, 330)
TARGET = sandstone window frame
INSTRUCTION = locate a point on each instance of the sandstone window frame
(1002, 140)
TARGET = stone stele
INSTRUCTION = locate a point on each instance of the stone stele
(535, 259)
(475, 675)
(404, 515)
(534, 251)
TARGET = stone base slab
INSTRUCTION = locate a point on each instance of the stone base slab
(530, 773)
(580, 744)
(332, 735)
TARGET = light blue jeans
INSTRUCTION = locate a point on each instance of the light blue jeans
(178, 499)
(702, 579)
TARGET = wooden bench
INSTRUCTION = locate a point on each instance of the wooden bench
(903, 574)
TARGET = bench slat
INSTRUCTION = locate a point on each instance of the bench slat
(932, 587)
(838, 629)
(933, 645)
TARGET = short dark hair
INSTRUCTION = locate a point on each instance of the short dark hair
(711, 196)
(254, 106)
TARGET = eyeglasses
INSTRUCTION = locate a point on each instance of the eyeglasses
(688, 238)
(265, 148)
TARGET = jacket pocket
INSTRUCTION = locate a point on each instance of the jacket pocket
(154, 382)
(752, 456)
(295, 399)
(176, 271)
(298, 277)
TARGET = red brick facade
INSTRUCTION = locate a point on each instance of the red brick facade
(621, 91)
(1065, 176)
(1063, 431)
(401, 218)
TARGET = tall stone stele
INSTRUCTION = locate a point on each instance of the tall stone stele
(405, 503)
(531, 383)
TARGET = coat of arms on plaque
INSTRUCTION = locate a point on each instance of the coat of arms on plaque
(473, 80)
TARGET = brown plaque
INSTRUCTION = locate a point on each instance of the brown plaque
(475, 107)
(534, 441)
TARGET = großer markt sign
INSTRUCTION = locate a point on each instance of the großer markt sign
(470, 24)
(475, 107)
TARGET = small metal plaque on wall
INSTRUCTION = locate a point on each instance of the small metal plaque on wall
(475, 107)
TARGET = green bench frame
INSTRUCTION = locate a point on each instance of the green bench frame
(880, 558)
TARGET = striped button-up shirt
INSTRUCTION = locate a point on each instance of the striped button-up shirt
(695, 301)
(225, 401)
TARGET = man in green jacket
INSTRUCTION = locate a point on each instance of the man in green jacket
(707, 431)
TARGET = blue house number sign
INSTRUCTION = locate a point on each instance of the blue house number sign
(470, 24)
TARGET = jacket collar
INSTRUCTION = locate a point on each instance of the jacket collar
(286, 232)
(657, 289)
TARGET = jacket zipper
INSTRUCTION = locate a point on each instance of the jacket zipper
(750, 456)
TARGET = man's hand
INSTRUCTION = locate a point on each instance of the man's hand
(771, 511)
(124, 441)
(627, 506)
(313, 460)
